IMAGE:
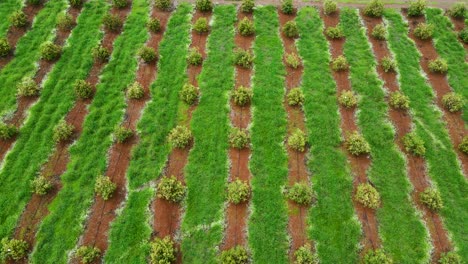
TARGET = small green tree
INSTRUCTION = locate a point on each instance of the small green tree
(438, 65)
(297, 140)
(112, 23)
(63, 131)
(65, 22)
(120, 3)
(399, 101)
(246, 27)
(431, 198)
(135, 91)
(293, 60)
(329, 7)
(414, 144)
(41, 185)
(195, 57)
(463, 147)
(453, 102)
(377, 256)
(417, 7)
(235, 255)
(388, 64)
(180, 137)
(163, 251)
(7, 131)
(357, 145)
(243, 58)
(5, 47)
(334, 32)
(154, 25)
(163, 4)
(88, 254)
(83, 89)
(300, 193)
(27, 87)
(424, 31)
(50, 51)
(239, 138)
(348, 99)
(189, 94)
(450, 258)
(374, 8)
(463, 35)
(101, 53)
(304, 255)
(238, 191)
(76, 3)
(287, 7)
(379, 32)
(367, 195)
(13, 249)
(290, 29)
(171, 189)
(19, 19)
(121, 134)
(204, 5)
(247, 6)
(339, 63)
(104, 187)
(147, 54)
(201, 25)
(295, 97)
(242, 96)
(458, 10)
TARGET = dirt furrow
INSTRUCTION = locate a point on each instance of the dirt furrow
(439, 83)
(359, 164)
(416, 165)
(459, 24)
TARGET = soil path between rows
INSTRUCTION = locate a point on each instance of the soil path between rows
(459, 25)
(416, 165)
(359, 164)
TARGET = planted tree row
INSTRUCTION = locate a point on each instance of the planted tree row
(6, 9)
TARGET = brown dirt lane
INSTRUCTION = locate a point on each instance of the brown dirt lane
(359, 164)
(167, 214)
(238, 214)
(416, 165)
(454, 122)
(459, 26)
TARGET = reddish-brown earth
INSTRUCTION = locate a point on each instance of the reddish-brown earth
(454, 122)
(416, 165)
(237, 214)
(359, 164)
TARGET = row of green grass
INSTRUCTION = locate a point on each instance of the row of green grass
(448, 47)
(131, 230)
(332, 221)
(27, 53)
(403, 233)
(34, 143)
(443, 167)
(269, 165)
(207, 169)
(7, 7)
(60, 230)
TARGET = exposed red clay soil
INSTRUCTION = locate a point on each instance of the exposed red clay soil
(459, 26)
(416, 165)
(359, 164)
(237, 214)
(454, 121)
(167, 214)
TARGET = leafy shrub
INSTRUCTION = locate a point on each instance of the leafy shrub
(463, 147)
(453, 102)
(374, 8)
(154, 25)
(65, 22)
(287, 7)
(290, 29)
(300, 193)
(163, 251)
(458, 10)
(297, 140)
(450, 258)
(431, 198)
(63, 131)
(147, 54)
(34, 2)
(27, 87)
(463, 35)
(238, 191)
(304, 255)
(7, 131)
(329, 7)
(334, 32)
(239, 138)
(180, 137)
(201, 25)
(5, 47)
(13, 249)
(41, 185)
(356, 144)
(242, 96)
(339, 63)
(19, 19)
(247, 6)
(163, 4)
(120, 3)
(235, 255)
(50, 51)
(295, 97)
(388, 64)
(367, 195)
(424, 31)
(83, 89)
(112, 22)
(246, 27)
(104, 187)
(243, 58)
(135, 91)
(417, 7)
(88, 254)
(292, 60)
(204, 5)
(414, 144)
(348, 99)
(379, 32)
(194, 57)
(122, 133)
(171, 189)
(399, 101)
(377, 256)
(189, 94)
(101, 53)
(438, 65)
(76, 3)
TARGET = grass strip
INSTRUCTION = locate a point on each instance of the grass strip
(7, 8)
(207, 168)
(332, 220)
(448, 47)
(403, 234)
(57, 99)
(27, 53)
(269, 165)
(59, 231)
(443, 166)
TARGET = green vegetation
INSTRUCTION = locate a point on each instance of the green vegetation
(154, 25)
(104, 187)
(340, 63)
(101, 53)
(18, 19)
(329, 7)
(297, 140)
(332, 222)
(463, 147)
(204, 5)
(242, 96)
(135, 91)
(348, 99)
(424, 31)
(63, 131)
(458, 10)
(356, 144)
(300, 193)
(399, 101)
(304, 255)
(88, 254)
(290, 29)
(388, 64)
(367, 195)
(5, 47)
(50, 51)
(28, 87)
(7, 8)
(41, 185)
(147, 54)
(243, 58)
(112, 23)
(201, 25)
(377, 256)
(334, 32)
(238, 191)
(171, 189)
(292, 60)
(239, 138)
(7, 131)
(374, 8)
(438, 66)
(414, 144)
(162, 251)
(445, 172)
(246, 27)
(287, 7)
(453, 102)
(416, 7)
(431, 198)
(247, 6)
(180, 137)
(235, 255)
(13, 249)
(163, 4)
(82, 89)
(295, 97)
(65, 22)
(450, 258)
(189, 94)
(379, 32)
(194, 57)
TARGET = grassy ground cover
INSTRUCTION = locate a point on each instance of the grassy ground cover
(147, 163)
(448, 47)
(443, 166)
(403, 233)
(59, 231)
(268, 223)
(27, 53)
(207, 168)
(35, 138)
(332, 221)
(6, 8)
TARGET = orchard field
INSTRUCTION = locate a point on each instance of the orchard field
(152, 131)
